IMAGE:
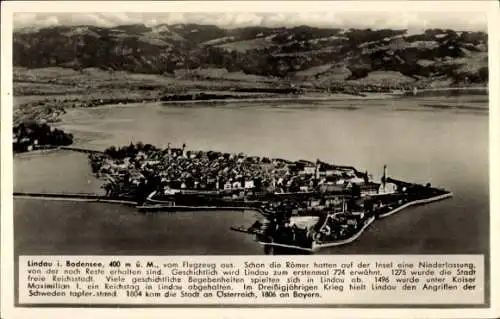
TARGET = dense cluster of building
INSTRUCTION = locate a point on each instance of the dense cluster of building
(181, 169)
(303, 201)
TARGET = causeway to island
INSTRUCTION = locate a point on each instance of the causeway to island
(304, 205)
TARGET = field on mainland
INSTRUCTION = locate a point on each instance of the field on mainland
(46, 93)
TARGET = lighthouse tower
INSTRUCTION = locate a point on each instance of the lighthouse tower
(184, 151)
(383, 185)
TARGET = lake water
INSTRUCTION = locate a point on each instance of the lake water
(443, 141)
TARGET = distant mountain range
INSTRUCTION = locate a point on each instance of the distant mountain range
(321, 56)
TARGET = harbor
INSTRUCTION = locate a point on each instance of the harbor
(321, 214)
(184, 219)
(305, 205)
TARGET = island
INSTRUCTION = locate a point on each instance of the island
(305, 205)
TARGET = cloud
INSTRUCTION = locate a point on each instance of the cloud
(342, 19)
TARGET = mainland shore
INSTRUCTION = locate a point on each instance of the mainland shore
(40, 95)
(49, 107)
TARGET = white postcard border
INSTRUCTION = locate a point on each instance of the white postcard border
(7, 275)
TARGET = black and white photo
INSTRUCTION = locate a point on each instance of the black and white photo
(316, 131)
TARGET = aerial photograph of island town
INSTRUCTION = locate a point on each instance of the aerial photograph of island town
(250, 133)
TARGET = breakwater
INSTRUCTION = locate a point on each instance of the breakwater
(80, 150)
(355, 236)
(417, 202)
(279, 210)
(67, 148)
(82, 197)
(77, 197)
(183, 208)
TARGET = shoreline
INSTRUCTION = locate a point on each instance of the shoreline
(51, 107)
(183, 208)
(94, 198)
(289, 99)
(390, 213)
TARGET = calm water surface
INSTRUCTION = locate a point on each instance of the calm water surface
(419, 140)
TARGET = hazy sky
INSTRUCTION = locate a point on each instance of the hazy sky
(327, 18)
